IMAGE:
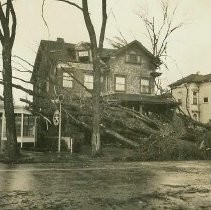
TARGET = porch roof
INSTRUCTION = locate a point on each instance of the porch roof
(142, 98)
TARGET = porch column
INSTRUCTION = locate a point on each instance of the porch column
(140, 109)
(2, 132)
(2, 129)
(21, 130)
(35, 131)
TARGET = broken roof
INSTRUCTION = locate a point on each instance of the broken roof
(192, 78)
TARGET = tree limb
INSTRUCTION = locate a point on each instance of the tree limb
(103, 26)
(71, 4)
(89, 25)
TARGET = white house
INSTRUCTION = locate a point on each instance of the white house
(25, 125)
(194, 95)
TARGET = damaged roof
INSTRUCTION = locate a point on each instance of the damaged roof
(192, 78)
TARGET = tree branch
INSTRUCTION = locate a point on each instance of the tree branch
(3, 21)
(71, 4)
(103, 26)
(89, 25)
(14, 22)
(1, 98)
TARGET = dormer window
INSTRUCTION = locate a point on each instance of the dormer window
(83, 56)
(132, 57)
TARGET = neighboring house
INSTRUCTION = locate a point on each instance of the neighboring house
(128, 73)
(25, 125)
(194, 95)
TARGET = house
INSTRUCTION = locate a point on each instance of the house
(128, 74)
(127, 78)
(25, 125)
(194, 96)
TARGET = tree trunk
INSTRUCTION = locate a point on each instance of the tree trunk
(11, 145)
(96, 119)
(106, 131)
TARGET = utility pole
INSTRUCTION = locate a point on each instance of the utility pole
(60, 121)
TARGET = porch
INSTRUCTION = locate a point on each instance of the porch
(25, 126)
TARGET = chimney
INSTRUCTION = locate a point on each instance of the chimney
(60, 40)
(198, 72)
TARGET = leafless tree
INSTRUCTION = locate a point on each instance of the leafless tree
(96, 56)
(118, 41)
(159, 33)
(7, 37)
(96, 49)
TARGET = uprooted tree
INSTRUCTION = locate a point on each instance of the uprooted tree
(7, 37)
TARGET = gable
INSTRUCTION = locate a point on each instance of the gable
(135, 47)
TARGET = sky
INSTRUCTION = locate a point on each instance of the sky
(189, 48)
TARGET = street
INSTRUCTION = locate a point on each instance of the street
(106, 185)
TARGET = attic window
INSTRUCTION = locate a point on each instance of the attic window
(132, 57)
(83, 56)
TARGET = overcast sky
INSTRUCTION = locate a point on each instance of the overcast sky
(189, 48)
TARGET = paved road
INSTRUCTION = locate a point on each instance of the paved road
(106, 185)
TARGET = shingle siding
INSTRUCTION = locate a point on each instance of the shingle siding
(116, 63)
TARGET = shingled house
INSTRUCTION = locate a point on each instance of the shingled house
(127, 75)
(194, 94)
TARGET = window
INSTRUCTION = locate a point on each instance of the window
(145, 87)
(28, 125)
(133, 58)
(195, 117)
(67, 80)
(120, 83)
(83, 56)
(206, 100)
(180, 101)
(195, 100)
(18, 124)
(88, 81)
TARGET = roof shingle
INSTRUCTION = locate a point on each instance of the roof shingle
(192, 78)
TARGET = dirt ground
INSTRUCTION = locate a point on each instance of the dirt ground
(106, 185)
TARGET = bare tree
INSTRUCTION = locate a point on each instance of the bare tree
(159, 33)
(7, 37)
(96, 49)
(118, 41)
(96, 55)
